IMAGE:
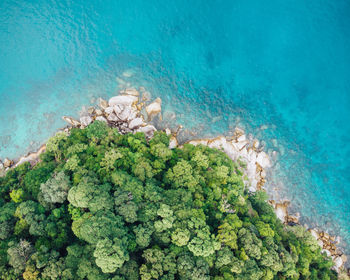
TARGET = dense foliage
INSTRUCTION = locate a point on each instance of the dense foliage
(101, 205)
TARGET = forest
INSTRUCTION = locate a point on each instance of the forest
(102, 205)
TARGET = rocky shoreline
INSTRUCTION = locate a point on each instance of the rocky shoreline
(131, 111)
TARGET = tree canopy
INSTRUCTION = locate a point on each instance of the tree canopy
(101, 205)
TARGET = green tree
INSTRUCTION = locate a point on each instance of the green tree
(181, 175)
(55, 190)
(54, 145)
(111, 255)
(89, 194)
(180, 237)
(18, 254)
(101, 225)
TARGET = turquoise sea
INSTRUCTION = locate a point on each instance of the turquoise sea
(280, 69)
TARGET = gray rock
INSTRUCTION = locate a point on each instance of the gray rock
(118, 109)
(263, 160)
(125, 114)
(109, 110)
(148, 130)
(85, 120)
(7, 162)
(103, 103)
(130, 91)
(338, 263)
(91, 110)
(154, 108)
(113, 118)
(135, 123)
(98, 112)
(101, 118)
(127, 130)
(71, 121)
(173, 142)
(132, 115)
(126, 100)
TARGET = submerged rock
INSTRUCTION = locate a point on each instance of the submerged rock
(130, 91)
(7, 162)
(71, 121)
(91, 110)
(146, 96)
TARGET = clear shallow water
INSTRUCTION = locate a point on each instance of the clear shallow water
(282, 64)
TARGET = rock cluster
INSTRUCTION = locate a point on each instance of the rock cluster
(123, 112)
(328, 244)
(326, 241)
(4, 166)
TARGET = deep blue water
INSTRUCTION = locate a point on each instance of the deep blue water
(283, 65)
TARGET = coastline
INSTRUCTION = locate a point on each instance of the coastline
(129, 112)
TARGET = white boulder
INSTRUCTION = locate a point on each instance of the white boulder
(7, 162)
(126, 114)
(98, 112)
(126, 100)
(154, 108)
(217, 143)
(85, 120)
(326, 251)
(199, 142)
(240, 145)
(130, 91)
(135, 123)
(118, 109)
(173, 142)
(167, 131)
(263, 160)
(101, 118)
(320, 243)
(109, 110)
(242, 138)
(148, 130)
(338, 263)
(113, 118)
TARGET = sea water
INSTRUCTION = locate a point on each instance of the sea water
(279, 69)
